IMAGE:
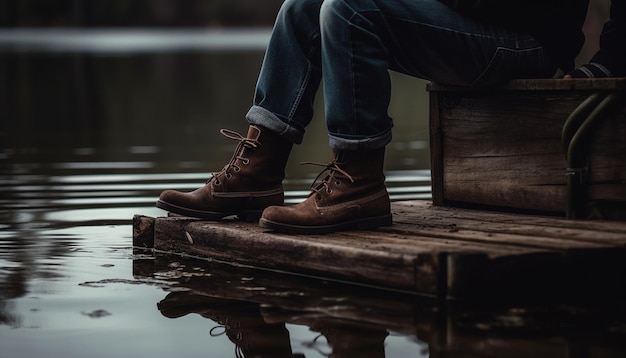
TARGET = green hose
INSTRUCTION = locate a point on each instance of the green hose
(576, 135)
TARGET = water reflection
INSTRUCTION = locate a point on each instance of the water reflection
(242, 322)
(257, 311)
(253, 309)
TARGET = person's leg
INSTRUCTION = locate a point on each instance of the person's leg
(291, 72)
(361, 41)
(283, 106)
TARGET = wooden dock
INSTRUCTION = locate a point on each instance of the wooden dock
(443, 252)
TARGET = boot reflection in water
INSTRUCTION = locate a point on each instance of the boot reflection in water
(349, 341)
(240, 321)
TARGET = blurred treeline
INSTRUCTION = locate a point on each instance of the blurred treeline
(158, 13)
(137, 13)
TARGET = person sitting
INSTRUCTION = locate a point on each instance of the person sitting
(349, 46)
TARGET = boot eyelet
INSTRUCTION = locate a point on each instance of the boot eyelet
(228, 176)
(237, 169)
(329, 191)
(217, 182)
(337, 182)
(246, 161)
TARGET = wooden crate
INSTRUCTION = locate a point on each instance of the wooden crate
(501, 147)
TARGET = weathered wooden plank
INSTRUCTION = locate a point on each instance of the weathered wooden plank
(143, 231)
(501, 146)
(492, 244)
(518, 152)
(610, 233)
(587, 251)
(532, 231)
(249, 244)
(543, 84)
(431, 250)
(414, 241)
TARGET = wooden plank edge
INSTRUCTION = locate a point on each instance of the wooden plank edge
(540, 84)
(143, 231)
(494, 216)
(588, 275)
(248, 244)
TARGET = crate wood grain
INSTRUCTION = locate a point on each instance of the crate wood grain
(444, 252)
(501, 146)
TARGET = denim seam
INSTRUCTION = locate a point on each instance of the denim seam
(305, 82)
(352, 24)
(470, 34)
(300, 93)
(352, 71)
(501, 50)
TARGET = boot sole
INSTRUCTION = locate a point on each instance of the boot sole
(244, 215)
(358, 224)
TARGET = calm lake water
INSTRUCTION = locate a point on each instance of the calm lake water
(93, 126)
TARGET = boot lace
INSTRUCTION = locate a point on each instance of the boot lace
(220, 330)
(244, 142)
(332, 178)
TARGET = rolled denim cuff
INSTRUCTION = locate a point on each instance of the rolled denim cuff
(376, 142)
(262, 117)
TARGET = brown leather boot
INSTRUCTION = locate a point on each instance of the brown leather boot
(250, 182)
(352, 196)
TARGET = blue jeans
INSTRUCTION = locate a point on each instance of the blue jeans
(351, 45)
